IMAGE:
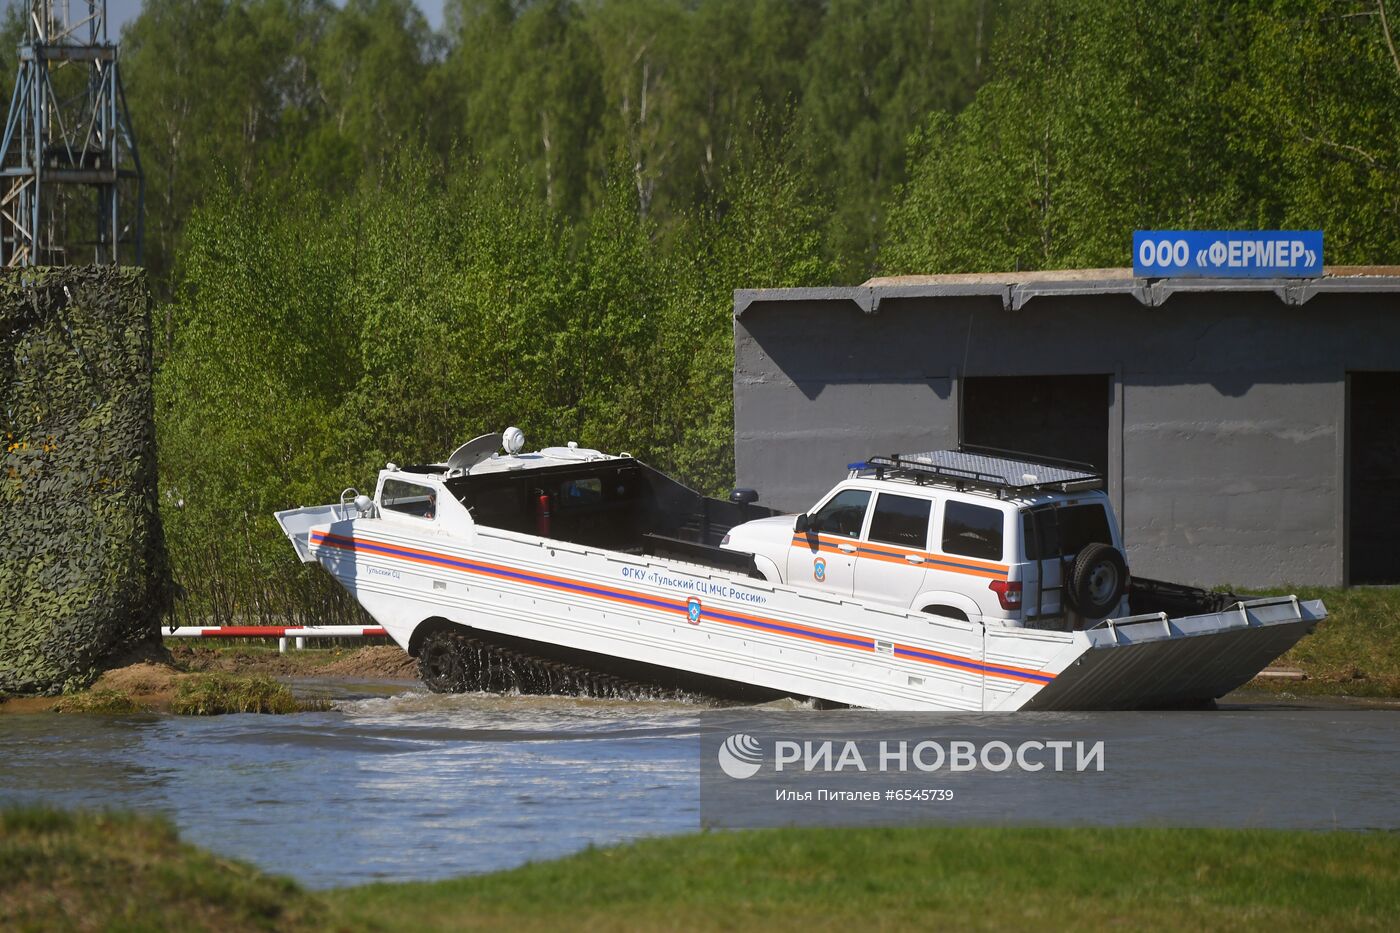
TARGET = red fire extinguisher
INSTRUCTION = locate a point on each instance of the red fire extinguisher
(542, 515)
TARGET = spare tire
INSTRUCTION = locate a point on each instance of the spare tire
(1096, 580)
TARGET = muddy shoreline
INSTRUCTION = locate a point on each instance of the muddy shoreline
(151, 676)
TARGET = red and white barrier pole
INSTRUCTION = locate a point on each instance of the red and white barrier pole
(280, 632)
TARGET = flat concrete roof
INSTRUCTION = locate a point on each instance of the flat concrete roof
(1015, 289)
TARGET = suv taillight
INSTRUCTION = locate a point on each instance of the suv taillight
(1008, 591)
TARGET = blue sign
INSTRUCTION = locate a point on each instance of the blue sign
(1227, 253)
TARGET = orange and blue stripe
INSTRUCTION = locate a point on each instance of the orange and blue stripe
(629, 597)
(893, 554)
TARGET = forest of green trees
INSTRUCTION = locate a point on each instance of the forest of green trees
(370, 240)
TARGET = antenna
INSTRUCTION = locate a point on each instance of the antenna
(71, 189)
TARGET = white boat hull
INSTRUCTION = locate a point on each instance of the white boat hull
(687, 618)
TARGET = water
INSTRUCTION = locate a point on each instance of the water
(383, 788)
(395, 784)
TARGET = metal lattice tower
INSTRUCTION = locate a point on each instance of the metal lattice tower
(68, 160)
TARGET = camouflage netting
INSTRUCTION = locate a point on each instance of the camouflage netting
(83, 571)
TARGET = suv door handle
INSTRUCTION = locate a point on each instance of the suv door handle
(848, 548)
(913, 558)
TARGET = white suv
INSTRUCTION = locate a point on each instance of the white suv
(968, 534)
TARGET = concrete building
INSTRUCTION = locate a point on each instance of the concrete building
(1249, 429)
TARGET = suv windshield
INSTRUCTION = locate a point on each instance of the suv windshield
(843, 515)
(1065, 530)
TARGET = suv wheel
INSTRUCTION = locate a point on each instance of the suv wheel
(1098, 577)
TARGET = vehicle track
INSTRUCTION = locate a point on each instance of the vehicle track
(451, 662)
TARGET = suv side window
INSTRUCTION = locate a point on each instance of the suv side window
(843, 514)
(901, 520)
(972, 530)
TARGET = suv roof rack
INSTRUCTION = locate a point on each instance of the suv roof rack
(999, 471)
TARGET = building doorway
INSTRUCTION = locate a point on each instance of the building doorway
(1373, 477)
(1064, 417)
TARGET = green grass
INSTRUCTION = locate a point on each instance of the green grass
(1356, 651)
(113, 702)
(925, 879)
(67, 871)
(215, 694)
